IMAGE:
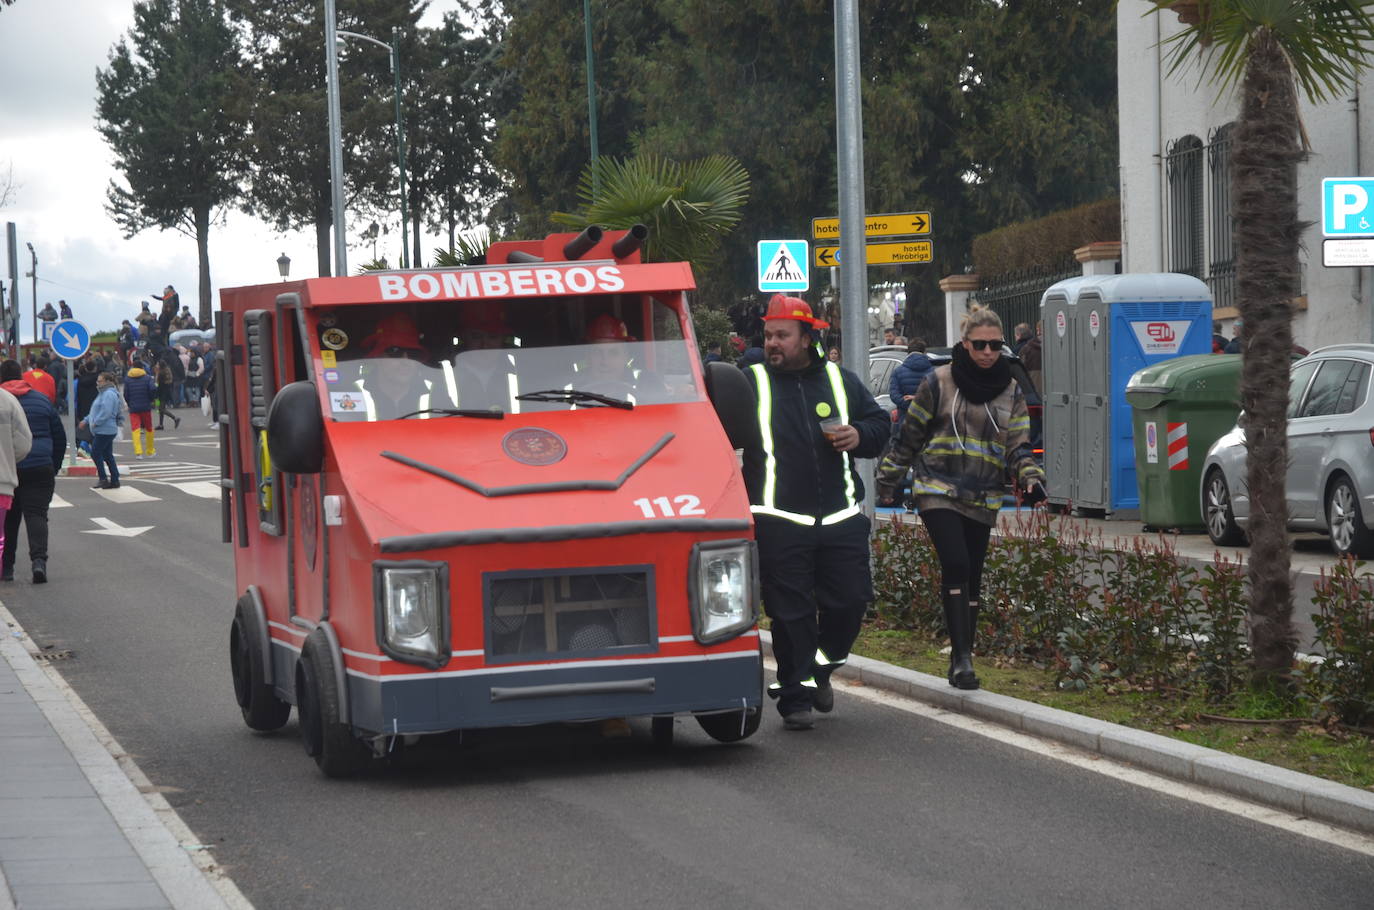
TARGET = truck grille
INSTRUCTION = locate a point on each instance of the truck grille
(573, 612)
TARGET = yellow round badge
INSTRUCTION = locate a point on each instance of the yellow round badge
(822, 409)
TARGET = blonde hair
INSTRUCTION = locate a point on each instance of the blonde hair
(978, 317)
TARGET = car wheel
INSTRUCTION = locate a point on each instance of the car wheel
(1349, 536)
(262, 709)
(731, 726)
(327, 740)
(1217, 513)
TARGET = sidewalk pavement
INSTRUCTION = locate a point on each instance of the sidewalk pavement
(1300, 794)
(75, 831)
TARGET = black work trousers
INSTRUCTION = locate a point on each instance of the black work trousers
(817, 584)
(31, 499)
(962, 545)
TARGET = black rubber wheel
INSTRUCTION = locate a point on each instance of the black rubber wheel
(336, 751)
(662, 730)
(733, 398)
(262, 709)
(1217, 513)
(1345, 521)
(731, 726)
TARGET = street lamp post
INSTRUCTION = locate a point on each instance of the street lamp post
(33, 273)
(284, 265)
(331, 70)
(394, 48)
(591, 88)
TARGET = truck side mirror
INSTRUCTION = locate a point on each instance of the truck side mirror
(295, 429)
(734, 401)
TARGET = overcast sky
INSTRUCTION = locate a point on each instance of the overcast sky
(49, 52)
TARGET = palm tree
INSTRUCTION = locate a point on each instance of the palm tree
(689, 208)
(1272, 49)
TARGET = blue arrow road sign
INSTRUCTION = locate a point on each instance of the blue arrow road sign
(70, 339)
(1348, 207)
(784, 265)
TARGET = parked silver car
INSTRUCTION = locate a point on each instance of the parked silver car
(1330, 479)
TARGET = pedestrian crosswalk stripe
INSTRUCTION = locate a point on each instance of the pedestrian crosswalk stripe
(202, 488)
(125, 493)
(59, 503)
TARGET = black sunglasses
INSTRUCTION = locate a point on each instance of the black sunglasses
(982, 344)
(410, 353)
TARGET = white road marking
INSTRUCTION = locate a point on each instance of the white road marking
(114, 530)
(125, 494)
(1097, 764)
(202, 488)
(59, 503)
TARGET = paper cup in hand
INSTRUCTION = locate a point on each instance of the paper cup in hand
(830, 426)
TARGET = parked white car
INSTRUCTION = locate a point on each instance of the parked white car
(1330, 481)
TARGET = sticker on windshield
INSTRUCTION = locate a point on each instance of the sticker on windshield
(328, 359)
(334, 339)
(331, 375)
(345, 402)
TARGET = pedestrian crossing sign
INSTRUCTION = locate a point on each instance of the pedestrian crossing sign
(784, 265)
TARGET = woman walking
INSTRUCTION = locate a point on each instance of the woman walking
(966, 426)
(103, 422)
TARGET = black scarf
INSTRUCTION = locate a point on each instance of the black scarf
(976, 384)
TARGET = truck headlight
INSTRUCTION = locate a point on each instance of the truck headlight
(412, 611)
(723, 589)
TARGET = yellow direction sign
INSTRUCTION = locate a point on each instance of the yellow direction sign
(899, 224)
(896, 253)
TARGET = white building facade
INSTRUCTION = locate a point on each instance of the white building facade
(1175, 179)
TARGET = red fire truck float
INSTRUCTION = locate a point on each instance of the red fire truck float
(485, 496)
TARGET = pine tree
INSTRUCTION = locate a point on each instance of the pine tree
(166, 107)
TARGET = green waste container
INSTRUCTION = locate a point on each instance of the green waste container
(1180, 407)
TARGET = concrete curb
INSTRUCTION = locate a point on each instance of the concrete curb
(1270, 785)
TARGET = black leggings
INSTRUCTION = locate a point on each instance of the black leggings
(962, 544)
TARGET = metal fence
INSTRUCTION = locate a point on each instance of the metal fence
(1015, 296)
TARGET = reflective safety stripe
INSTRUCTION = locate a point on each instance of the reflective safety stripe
(823, 660)
(797, 517)
(809, 682)
(842, 401)
(770, 460)
(837, 517)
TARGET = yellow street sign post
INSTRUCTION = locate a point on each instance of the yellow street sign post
(898, 224)
(900, 252)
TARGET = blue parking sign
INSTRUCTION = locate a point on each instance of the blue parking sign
(1348, 207)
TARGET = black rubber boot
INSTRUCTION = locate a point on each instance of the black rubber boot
(960, 621)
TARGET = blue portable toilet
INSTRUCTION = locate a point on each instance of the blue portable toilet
(1101, 330)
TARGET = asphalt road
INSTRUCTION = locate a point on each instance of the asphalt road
(876, 807)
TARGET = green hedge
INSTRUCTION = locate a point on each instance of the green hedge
(1046, 241)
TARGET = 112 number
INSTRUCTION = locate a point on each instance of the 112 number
(686, 505)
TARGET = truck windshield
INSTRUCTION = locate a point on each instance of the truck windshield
(422, 361)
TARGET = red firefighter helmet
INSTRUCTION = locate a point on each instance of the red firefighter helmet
(393, 332)
(607, 328)
(485, 316)
(780, 307)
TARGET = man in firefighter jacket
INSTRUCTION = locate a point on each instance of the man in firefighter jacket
(396, 383)
(806, 496)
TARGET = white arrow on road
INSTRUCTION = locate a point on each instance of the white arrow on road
(114, 530)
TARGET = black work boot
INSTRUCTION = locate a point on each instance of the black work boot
(960, 621)
(823, 699)
(799, 720)
(40, 571)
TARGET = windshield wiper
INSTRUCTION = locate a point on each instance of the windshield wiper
(576, 396)
(457, 412)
